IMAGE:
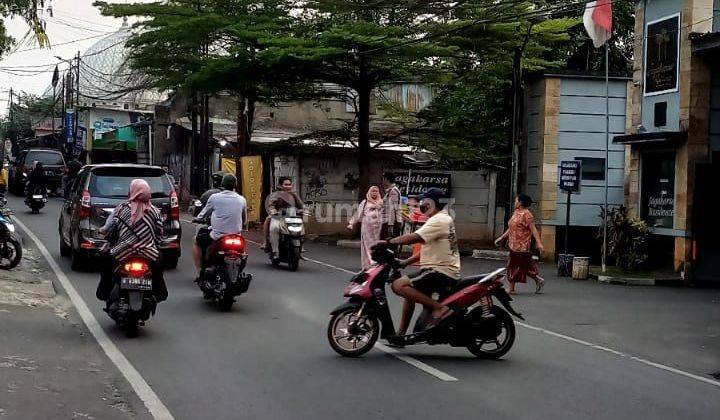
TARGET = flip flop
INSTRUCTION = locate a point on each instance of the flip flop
(437, 320)
(540, 285)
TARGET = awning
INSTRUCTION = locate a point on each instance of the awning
(670, 138)
(707, 43)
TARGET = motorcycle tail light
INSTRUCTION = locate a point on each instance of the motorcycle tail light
(136, 268)
(174, 206)
(85, 205)
(235, 243)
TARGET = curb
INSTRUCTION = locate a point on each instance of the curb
(639, 281)
(489, 254)
(345, 243)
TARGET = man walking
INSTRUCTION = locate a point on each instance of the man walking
(391, 213)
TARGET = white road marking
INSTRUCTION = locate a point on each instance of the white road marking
(574, 340)
(153, 403)
(622, 354)
(400, 356)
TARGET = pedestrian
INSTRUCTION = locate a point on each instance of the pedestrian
(369, 217)
(519, 235)
(391, 212)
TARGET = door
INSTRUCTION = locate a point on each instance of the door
(705, 226)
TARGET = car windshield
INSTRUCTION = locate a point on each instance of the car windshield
(45, 157)
(118, 185)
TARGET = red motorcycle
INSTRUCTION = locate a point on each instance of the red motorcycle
(486, 330)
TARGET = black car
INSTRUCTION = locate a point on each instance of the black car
(53, 164)
(95, 193)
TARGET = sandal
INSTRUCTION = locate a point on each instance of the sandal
(437, 320)
(540, 285)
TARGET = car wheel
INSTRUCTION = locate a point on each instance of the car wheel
(171, 262)
(77, 262)
(65, 249)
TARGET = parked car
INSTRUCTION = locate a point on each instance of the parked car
(52, 161)
(95, 193)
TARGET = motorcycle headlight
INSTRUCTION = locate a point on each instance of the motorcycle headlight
(293, 220)
(295, 229)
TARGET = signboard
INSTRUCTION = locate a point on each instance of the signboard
(70, 125)
(658, 189)
(569, 176)
(422, 181)
(661, 55)
(252, 175)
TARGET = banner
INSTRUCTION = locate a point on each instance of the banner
(70, 125)
(421, 181)
(252, 176)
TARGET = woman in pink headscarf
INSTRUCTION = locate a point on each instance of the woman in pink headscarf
(139, 225)
(368, 216)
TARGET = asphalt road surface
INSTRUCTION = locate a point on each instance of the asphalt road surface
(269, 359)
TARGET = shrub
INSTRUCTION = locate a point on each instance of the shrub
(627, 240)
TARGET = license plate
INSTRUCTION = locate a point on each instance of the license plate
(37, 197)
(132, 283)
(49, 173)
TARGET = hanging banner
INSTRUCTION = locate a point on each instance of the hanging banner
(70, 125)
(252, 175)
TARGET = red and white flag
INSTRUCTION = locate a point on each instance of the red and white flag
(598, 21)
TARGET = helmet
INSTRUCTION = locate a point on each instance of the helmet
(217, 179)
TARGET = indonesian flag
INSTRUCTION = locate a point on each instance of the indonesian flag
(598, 21)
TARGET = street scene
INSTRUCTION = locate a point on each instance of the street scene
(359, 209)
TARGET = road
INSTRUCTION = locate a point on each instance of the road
(269, 359)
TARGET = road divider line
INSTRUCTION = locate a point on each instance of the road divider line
(622, 354)
(153, 403)
(573, 340)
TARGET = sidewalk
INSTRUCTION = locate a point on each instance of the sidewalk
(678, 327)
(50, 366)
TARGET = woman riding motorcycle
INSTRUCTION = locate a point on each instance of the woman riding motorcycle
(36, 178)
(139, 225)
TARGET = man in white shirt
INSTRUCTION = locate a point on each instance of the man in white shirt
(228, 215)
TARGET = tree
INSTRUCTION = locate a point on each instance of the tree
(28, 10)
(25, 114)
(223, 52)
(361, 45)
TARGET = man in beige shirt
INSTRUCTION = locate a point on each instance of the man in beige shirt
(439, 261)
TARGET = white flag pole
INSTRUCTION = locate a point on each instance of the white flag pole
(607, 153)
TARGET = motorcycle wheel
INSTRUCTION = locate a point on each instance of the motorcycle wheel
(225, 304)
(10, 253)
(294, 260)
(132, 327)
(352, 343)
(502, 336)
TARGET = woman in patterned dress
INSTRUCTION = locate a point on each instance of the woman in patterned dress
(519, 234)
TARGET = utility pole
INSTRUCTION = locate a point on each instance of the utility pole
(77, 104)
(242, 139)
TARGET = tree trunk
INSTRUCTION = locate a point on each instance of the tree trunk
(242, 140)
(194, 155)
(364, 150)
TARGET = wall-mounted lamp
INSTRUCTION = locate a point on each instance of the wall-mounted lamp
(222, 143)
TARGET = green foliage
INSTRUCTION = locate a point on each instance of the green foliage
(25, 114)
(627, 238)
(27, 9)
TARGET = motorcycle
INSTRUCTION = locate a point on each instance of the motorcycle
(36, 199)
(475, 323)
(131, 301)
(292, 235)
(10, 247)
(222, 276)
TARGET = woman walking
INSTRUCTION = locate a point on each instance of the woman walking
(519, 234)
(368, 215)
(139, 226)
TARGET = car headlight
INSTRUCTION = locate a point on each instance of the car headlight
(293, 220)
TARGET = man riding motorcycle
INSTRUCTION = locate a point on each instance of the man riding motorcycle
(439, 261)
(228, 214)
(282, 199)
(217, 178)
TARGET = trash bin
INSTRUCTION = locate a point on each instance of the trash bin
(580, 268)
(564, 265)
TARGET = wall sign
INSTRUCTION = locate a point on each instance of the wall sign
(422, 181)
(658, 189)
(661, 55)
(569, 176)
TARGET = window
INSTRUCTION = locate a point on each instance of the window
(46, 157)
(115, 183)
(593, 169)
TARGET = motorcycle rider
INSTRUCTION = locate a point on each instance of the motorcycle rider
(439, 261)
(139, 226)
(73, 167)
(216, 187)
(282, 199)
(36, 178)
(228, 215)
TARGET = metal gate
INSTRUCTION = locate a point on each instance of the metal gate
(706, 226)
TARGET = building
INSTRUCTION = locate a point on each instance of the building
(673, 141)
(565, 120)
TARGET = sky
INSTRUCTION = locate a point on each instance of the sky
(75, 26)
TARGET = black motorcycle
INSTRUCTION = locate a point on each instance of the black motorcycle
(222, 276)
(36, 199)
(10, 248)
(131, 301)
